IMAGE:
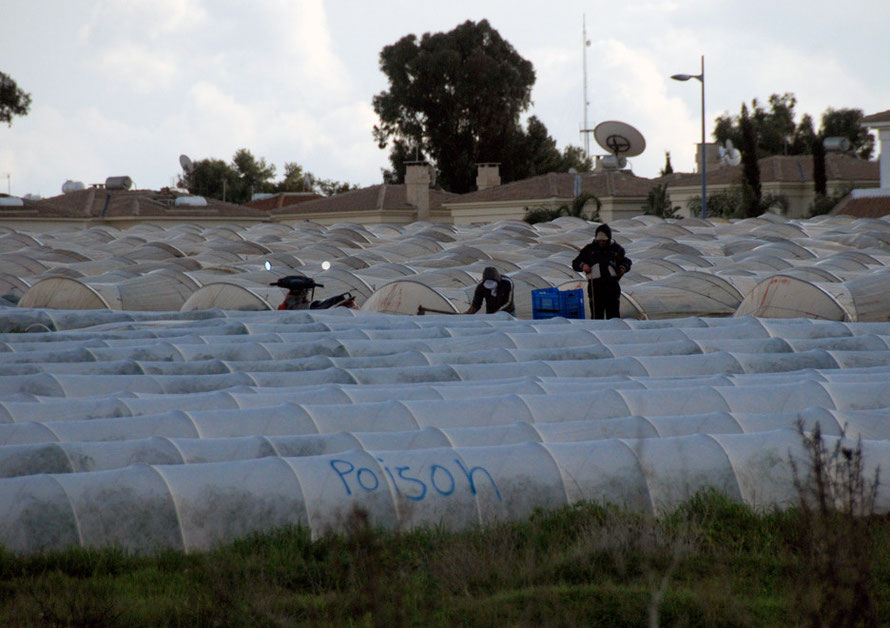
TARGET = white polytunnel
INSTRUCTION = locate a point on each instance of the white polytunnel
(385, 271)
(144, 507)
(67, 294)
(687, 293)
(130, 426)
(105, 263)
(12, 288)
(786, 296)
(229, 295)
(159, 290)
(405, 296)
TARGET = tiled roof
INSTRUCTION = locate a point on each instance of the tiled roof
(282, 199)
(791, 169)
(99, 203)
(378, 197)
(869, 207)
(883, 116)
(561, 185)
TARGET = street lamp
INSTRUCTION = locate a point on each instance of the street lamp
(702, 152)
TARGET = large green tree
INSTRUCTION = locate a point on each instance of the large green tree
(846, 123)
(254, 175)
(456, 99)
(212, 178)
(13, 100)
(534, 152)
(296, 179)
(235, 182)
(247, 175)
(777, 133)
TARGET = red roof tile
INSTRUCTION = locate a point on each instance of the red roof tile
(375, 197)
(99, 203)
(883, 116)
(282, 199)
(868, 207)
(560, 185)
(791, 169)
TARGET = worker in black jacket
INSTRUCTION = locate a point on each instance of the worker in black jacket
(496, 291)
(604, 263)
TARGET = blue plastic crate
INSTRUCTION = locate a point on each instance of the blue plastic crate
(550, 302)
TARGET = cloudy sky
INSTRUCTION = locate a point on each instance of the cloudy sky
(123, 87)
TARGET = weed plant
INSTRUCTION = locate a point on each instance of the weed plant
(710, 562)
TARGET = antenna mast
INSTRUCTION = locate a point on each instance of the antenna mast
(585, 131)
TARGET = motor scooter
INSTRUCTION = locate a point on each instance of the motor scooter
(300, 293)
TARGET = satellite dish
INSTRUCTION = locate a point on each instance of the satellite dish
(620, 139)
(730, 155)
(325, 265)
(268, 265)
(186, 163)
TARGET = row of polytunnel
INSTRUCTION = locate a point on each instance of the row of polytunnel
(829, 267)
(147, 430)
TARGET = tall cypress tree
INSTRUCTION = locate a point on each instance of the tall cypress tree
(820, 180)
(749, 163)
(668, 168)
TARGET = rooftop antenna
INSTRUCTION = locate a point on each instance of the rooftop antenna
(585, 43)
(8, 182)
(621, 140)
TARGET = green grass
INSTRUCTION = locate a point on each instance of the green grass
(711, 562)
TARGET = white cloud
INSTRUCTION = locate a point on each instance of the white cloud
(311, 45)
(662, 6)
(143, 70)
(111, 21)
(84, 145)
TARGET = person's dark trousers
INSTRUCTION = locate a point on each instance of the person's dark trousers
(604, 296)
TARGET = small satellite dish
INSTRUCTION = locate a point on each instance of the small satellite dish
(268, 265)
(730, 155)
(325, 265)
(186, 163)
(620, 139)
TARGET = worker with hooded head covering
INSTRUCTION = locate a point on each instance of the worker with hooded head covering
(497, 292)
(604, 263)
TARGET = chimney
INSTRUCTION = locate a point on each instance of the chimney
(88, 203)
(417, 187)
(712, 156)
(487, 176)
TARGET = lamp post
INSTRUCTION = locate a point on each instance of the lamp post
(702, 152)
